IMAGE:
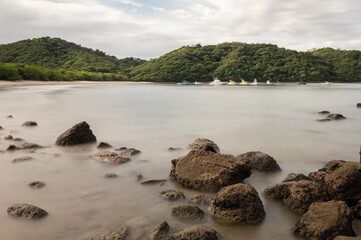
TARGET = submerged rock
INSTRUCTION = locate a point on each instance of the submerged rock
(203, 144)
(78, 134)
(117, 233)
(9, 116)
(202, 199)
(160, 232)
(104, 145)
(236, 204)
(196, 232)
(172, 195)
(188, 212)
(139, 176)
(130, 152)
(22, 159)
(324, 112)
(9, 137)
(1, 128)
(110, 157)
(30, 124)
(295, 177)
(110, 175)
(325, 220)
(154, 181)
(24, 146)
(259, 161)
(170, 149)
(18, 139)
(26, 211)
(336, 116)
(208, 171)
(324, 120)
(36, 184)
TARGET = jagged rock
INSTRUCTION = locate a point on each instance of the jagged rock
(197, 232)
(104, 145)
(188, 212)
(336, 116)
(78, 134)
(236, 204)
(325, 220)
(9, 137)
(117, 233)
(202, 199)
(203, 144)
(26, 211)
(170, 149)
(295, 177)
(110, 157)
(160, 232)
(154, 181)
(172, 195)
(22, 159)
(30, 124)
(324, 112)
(208, 171)
(259, 161)
(36, 184)
(110, 175)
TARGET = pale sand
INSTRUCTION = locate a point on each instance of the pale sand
(30, 82)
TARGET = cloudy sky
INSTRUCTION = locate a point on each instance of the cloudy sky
(150, 28)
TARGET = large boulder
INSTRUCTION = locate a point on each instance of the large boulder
(341, 179)
(324, 221)
(259, 161)
(26, 211)
(208, 171)
(188, 212)
(117, 233)
(197, 232)
(110, 157)
(236, 204)
(204, 145)
(78, 134)
(160, 232)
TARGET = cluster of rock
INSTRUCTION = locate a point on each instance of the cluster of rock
(330, 116)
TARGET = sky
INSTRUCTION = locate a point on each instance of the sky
(151, 28)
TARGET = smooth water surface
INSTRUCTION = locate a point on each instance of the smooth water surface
(278, 120)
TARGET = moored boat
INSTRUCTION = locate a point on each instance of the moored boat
(255, 83)
(217, 82)
(232, 83)
(243, 82)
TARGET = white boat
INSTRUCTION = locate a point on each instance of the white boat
(326, 83)
(197, 83)
(244, 82)
(268, 82)
(232, 83)
(254, 82)
(217, 82)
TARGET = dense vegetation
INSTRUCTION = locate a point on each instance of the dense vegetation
(56, 59)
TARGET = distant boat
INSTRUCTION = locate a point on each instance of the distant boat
(232, 83)
(255, 83)
(269, 82)
(185, 83)
(301, 83)
(197, 83)
(243, 82)
(217, 82)
(326, 83)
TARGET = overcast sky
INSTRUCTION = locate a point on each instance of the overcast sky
(150, 28)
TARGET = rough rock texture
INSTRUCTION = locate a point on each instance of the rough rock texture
(110, 157)
(347, 238)
(160, 232)
(188, 212)
(297, 196)
(204, 145)
(117, 233)
(36, 184)
(78, 134)
(104, 145)
(22, 159)
(208, 171)
(9, 137)
(130, 152)
(259, 161)
(26, 211)
(324, 112)
(341, 179)
(30, 124)
(295, 177)
(196, 232)
(202, 199)
(336, 116)
(154, 181)
(172, 195)
(324, 221)
(357, 210)
(110, 175)
(236, 204)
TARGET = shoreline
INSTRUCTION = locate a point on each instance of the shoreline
(5, 83)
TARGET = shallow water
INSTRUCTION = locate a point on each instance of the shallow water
(278, 120)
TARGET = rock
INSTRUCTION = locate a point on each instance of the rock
(336, 116)
(297, 196)
(324, 120)
(30, 124)
(208, 171)
(160, 232)
(324, 112)
(18, 139)
(196, 232)
(1, 128)
(295, 177)
(172, 195)
(78, 134)
(238, 203)
(154, 181)
(9, 116)
(357, 210)
(139, 176)
(325, 220)
(259, 161)
(110, 175)
(121, 149)
(9, 137)
(188, 212)
(117, 233)
(170, 149)
(341, 179)
(26, 211)
(22, 159)
(104, 145)
(110, 157)
(130, 152)
(347, 238)
(36, 184)
(358, 105)
(202, 199)
(12, 147)
(24, 146)
(202, 144)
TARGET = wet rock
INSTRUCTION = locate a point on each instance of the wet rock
(9, 116)
(139, 176)
(170, 149)
(110, 157)
(104, 145)
(26, 211)
(324, 112)
(9, 137)
(325, 220)
(110, 175)
(259, 161)
(324, 120)
(18, 139)
(295, 177)
(236, 204)
(172, 195)
(202, 199)
(196, 232)
(117, 233)
(12, 147)
(358, 105)
(36, 184)
(188, 212)
(341, 179)
(22, 159)
(208, 171)
(336, 116)
(32, 146)
(121, 149)
(30, 124)
(154, 181)
(203, 144)
(78, 134)
(130, 152)
(160, 232)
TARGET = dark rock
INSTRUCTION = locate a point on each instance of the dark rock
(196, 232)
(336, 116)
(202, 144)
(347, 238)
(22, 159)
(188, 212)
(202, 199)
(12, 147)
(36, 184)
(30, 124)
(9, 116)
(160, 232)
(1, 128)
(26, 211)
(259, 161)
(357, 210)
(78, 134)
(130, 152)
(9, 137)
(121, 149)
(104, 145)
(358, 105)
(18, 139)
(170, 149)
(33, 146)
(325, 220)
(139, 176)
(208, 171)
(324, 120)
(110, 157)
(110, 175)
(117, 233)
(154, 181)
(172, 195)
(236, 204)
(324, 112)
(295, 177)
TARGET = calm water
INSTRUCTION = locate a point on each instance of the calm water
(278, 120)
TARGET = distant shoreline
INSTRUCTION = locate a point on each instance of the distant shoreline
(5, 83)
